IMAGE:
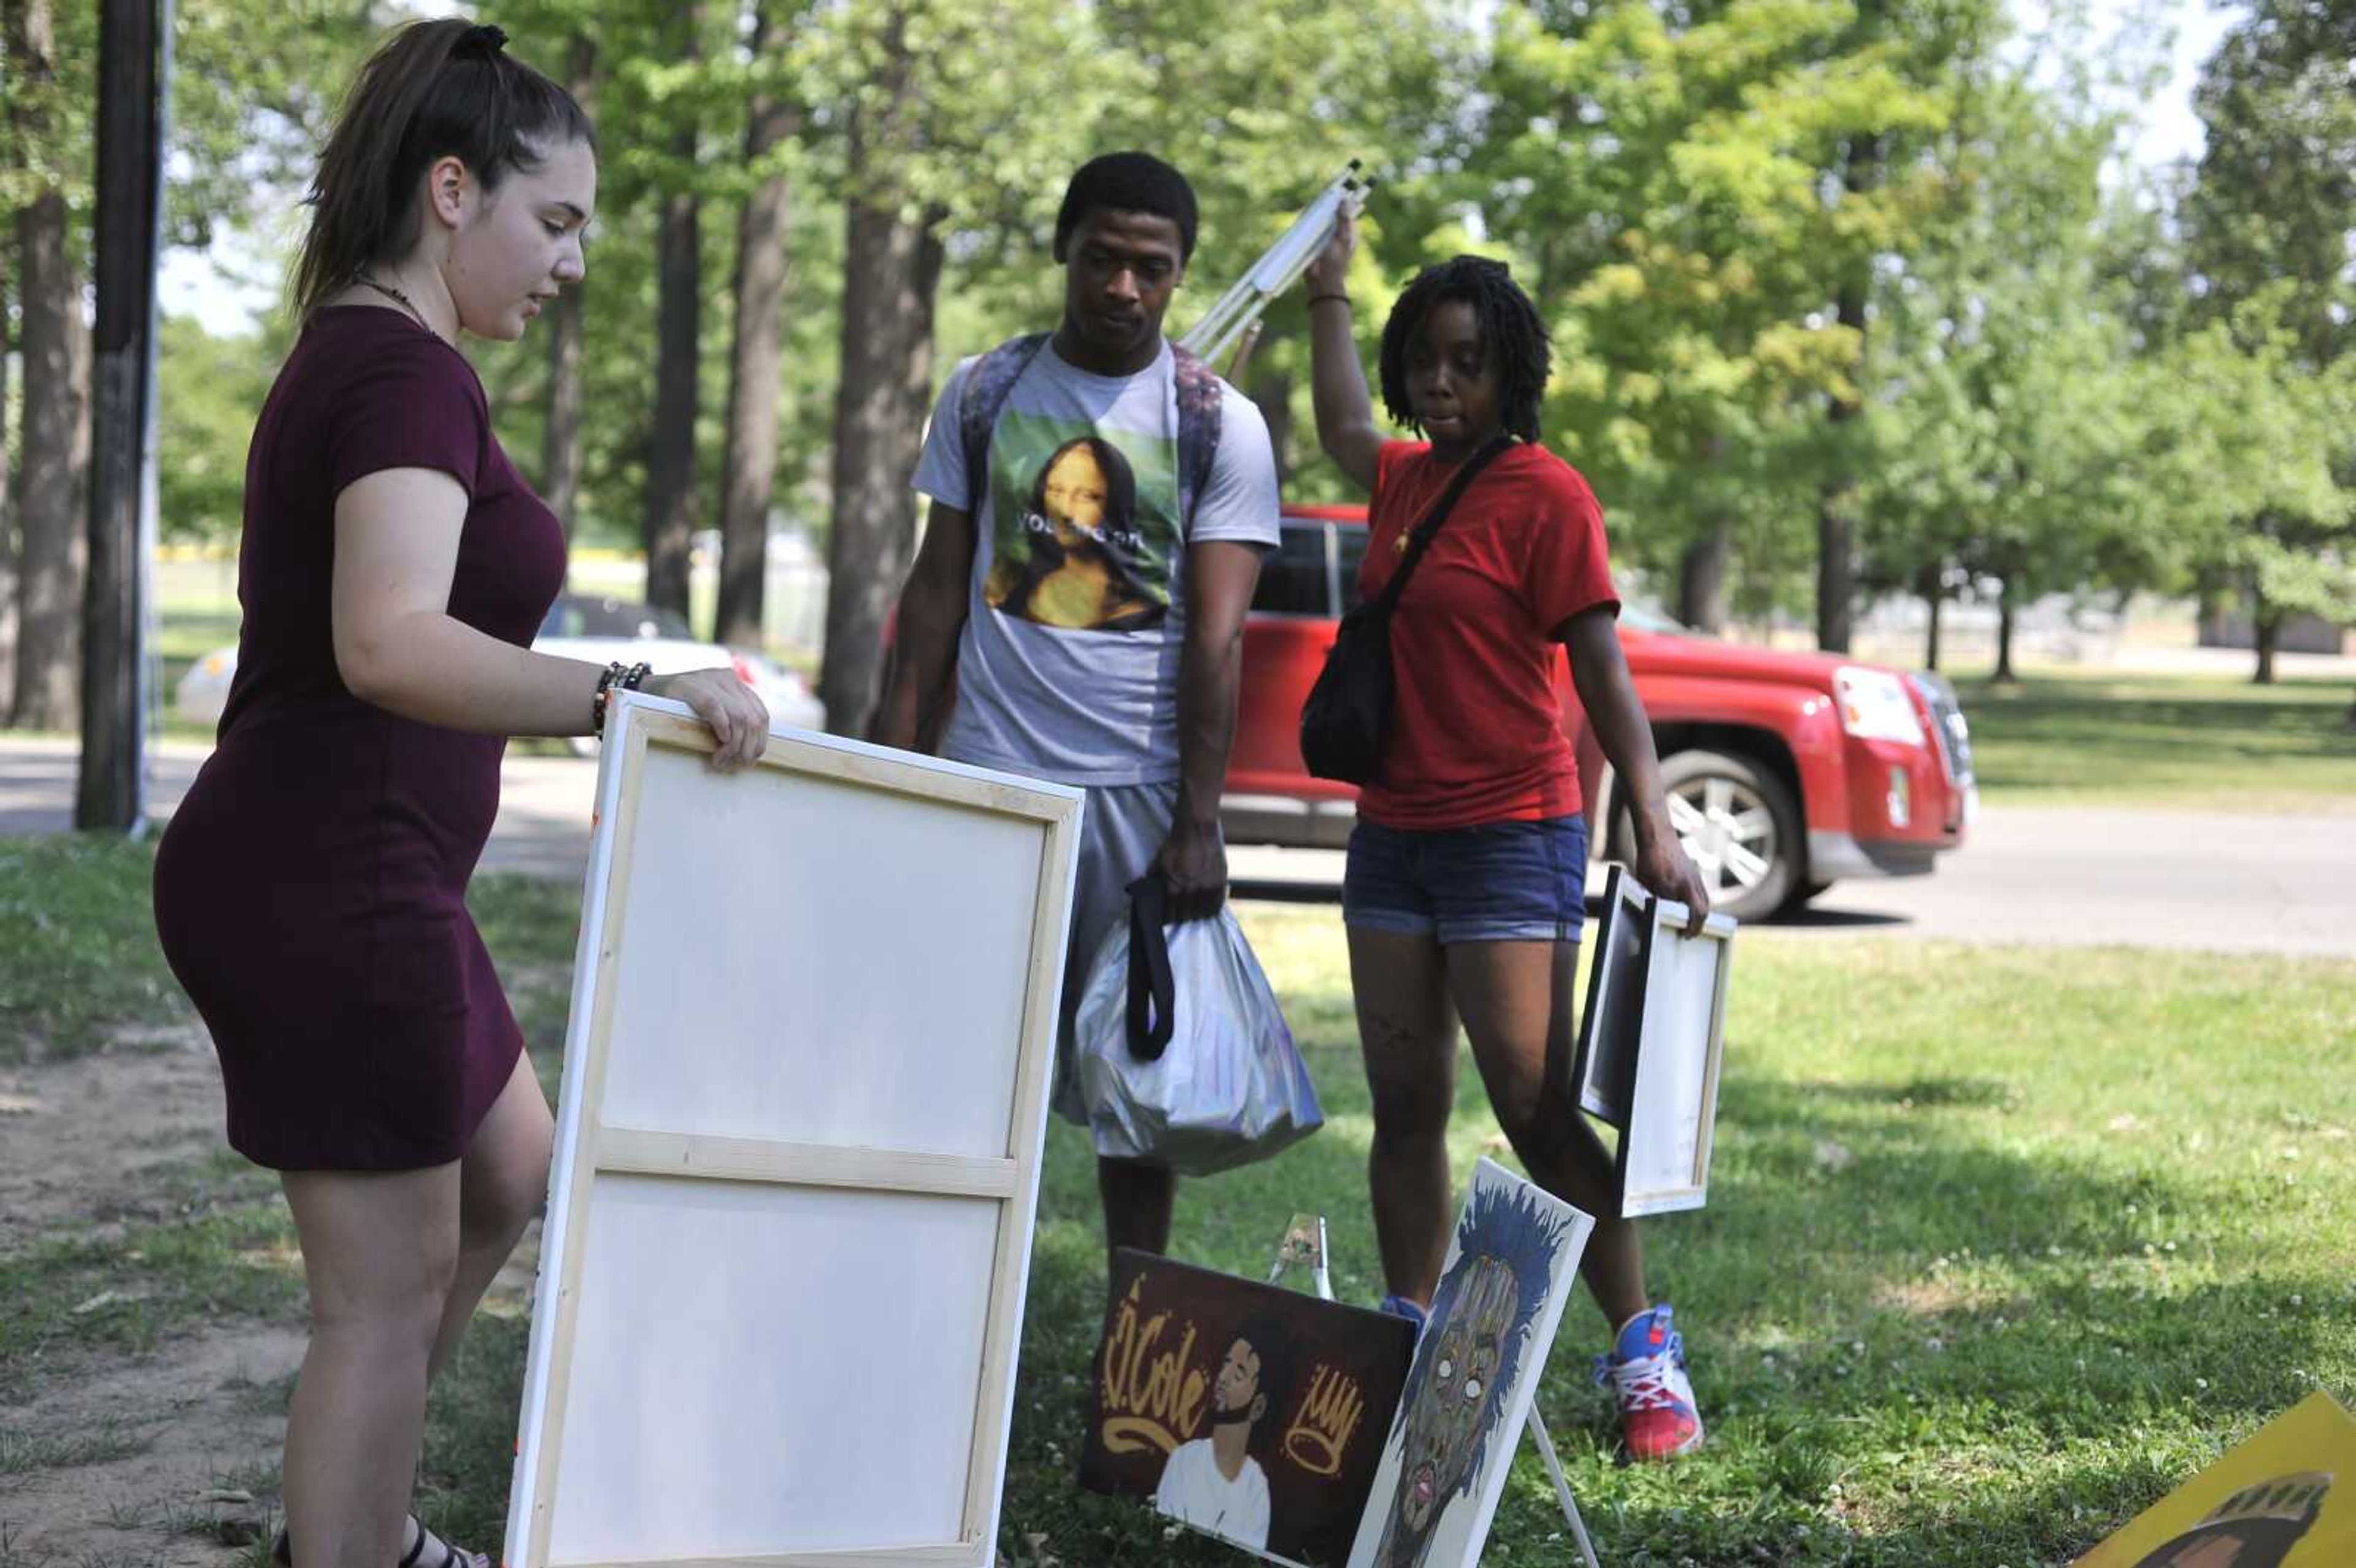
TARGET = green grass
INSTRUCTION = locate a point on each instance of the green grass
(2002, 1245)
(75, 1301)
(21, 1453)
(2183, 741)
(81, 963)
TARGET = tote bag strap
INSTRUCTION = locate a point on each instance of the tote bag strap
(1153, 991)
(1420, 540)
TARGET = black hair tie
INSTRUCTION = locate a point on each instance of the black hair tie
(485, 39)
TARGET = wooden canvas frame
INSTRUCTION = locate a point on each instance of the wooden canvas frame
(1662, 1161)
(1604, 1072)
(1652, 1042)
(767, 1186)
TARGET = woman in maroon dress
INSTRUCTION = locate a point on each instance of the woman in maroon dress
(311, 890)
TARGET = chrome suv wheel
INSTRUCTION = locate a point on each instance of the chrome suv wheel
(1741, 827)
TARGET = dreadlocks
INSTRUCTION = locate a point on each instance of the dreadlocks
(1513, 339)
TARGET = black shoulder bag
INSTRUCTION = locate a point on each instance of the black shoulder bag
(1349, 710)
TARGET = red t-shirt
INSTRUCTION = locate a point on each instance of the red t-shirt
(1476, 727)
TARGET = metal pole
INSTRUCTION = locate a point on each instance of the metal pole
(1562, 1488)
(130, 171)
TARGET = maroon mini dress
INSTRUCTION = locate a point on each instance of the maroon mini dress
(310, 892)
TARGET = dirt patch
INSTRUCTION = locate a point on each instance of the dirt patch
(88, 1139)
(172, 1461)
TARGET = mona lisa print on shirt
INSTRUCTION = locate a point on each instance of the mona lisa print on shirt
(1085, 523)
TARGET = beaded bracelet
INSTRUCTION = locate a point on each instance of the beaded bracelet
(616, 676)
(605, 680)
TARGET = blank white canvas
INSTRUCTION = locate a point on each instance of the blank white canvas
(791, 1208)
(861, 919)
(1664, 1152)
(822, 1344)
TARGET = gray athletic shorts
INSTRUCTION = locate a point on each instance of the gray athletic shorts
(1123, 828)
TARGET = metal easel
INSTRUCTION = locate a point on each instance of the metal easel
(1237, 312)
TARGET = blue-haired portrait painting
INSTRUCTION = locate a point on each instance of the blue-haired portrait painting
(1474, 1373)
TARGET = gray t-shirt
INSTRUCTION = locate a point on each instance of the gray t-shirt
(1068, 668)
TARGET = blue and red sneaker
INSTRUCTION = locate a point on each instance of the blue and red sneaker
(1647, 1370)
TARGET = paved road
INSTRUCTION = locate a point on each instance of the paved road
(2150, 879)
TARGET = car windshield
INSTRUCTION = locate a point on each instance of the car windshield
(576, 616)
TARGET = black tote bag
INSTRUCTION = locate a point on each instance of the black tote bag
(1349, 710)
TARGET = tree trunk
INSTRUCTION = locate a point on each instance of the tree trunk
(559, 443)
(1701, 580)
(55, 455)
(749, 471)
(1273, 391)
(670, 517)
(2265, 629)
(892, 273)
(109, 790)
(1934, 594)
(1836, 524)
(7, 509)
(2003, 676)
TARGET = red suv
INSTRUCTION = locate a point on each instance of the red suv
(1786, 773)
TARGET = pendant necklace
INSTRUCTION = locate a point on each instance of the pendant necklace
(402, 300)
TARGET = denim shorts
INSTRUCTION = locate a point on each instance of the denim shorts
(1501, 881)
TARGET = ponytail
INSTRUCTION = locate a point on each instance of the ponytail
(432, 90)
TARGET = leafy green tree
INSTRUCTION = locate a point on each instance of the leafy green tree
(2268, 231)
(212, 388)
(1704, 195)
(2008, 417)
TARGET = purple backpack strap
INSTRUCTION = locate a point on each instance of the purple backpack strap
(1199, 403)
(987, 387)
(991, 380)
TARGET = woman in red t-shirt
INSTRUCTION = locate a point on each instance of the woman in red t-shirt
(1467, 870)
(310, 892)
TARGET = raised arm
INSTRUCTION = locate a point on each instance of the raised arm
(1337, 382)
(925, 633)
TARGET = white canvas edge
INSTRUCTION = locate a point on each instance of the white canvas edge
(531, 1432)
(531, 1429)
(1669, 920)
(1024, 1202)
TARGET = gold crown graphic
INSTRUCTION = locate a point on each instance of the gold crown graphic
(2293, 1499)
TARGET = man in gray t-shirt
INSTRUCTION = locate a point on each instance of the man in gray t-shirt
(1083, 590)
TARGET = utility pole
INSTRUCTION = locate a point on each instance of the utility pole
(134, 70)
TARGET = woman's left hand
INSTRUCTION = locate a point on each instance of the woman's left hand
(738, 720)
(1667, 872)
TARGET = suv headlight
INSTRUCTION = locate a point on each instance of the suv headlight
(1874, 705)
